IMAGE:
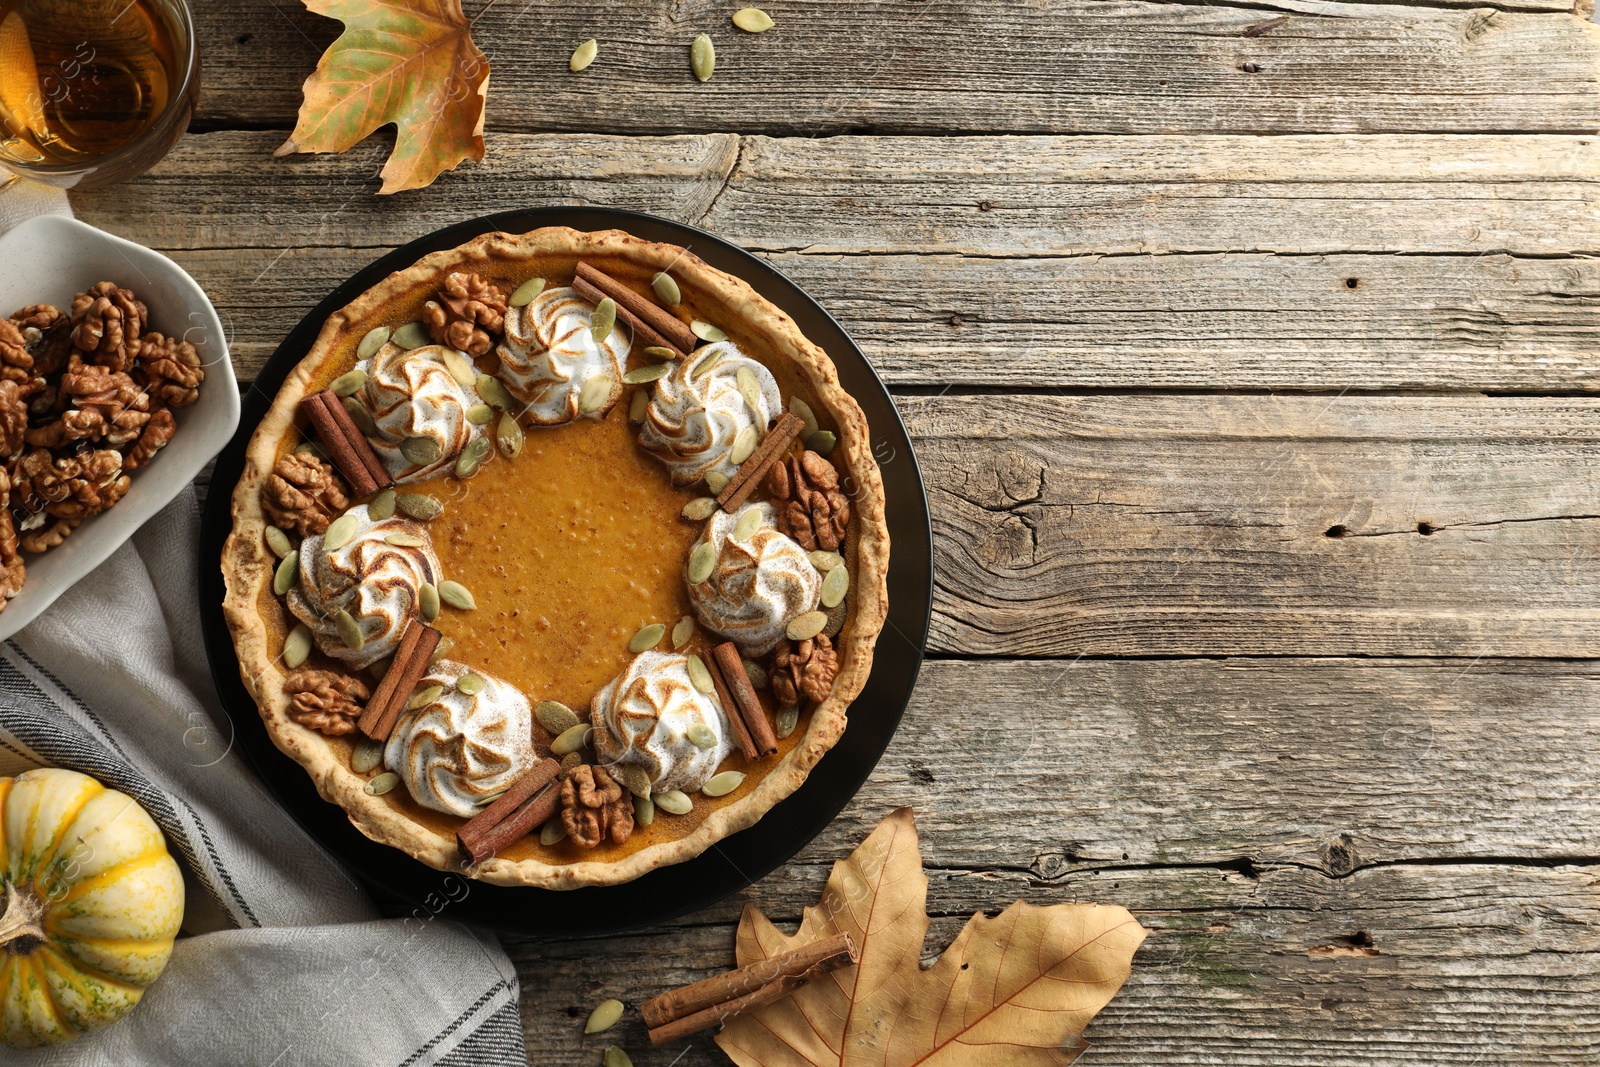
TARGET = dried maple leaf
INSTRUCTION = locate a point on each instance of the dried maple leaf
(409, 62)
(1011, 990)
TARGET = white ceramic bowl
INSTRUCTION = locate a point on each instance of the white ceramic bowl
(45, 261)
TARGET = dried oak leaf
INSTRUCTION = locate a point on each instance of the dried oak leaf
(407, 62)
(1016, 989)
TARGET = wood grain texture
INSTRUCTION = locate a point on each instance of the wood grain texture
(939, 66)
(1236, 525)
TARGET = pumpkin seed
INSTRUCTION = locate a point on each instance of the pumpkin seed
(673, 802)
(644, 811)
(825, 561)
(667, 290)
(744, 444)
(705, 364)
(493, 391)
(636, 778)
(428, 601)
(699, 675)
(752, 20)
(480, 414)
(374, 339)
(750, 389)
(366, 755)
(603, 319)
(834, 586)
(411, 335)
(660, 353)
(460, 367)
(283, 578)
(421, 451)
(424, 697)
(381, 507)
(596, 391)
(349, 383)
(405, 540)
(509, 436)
(441, 650)
(604, 1017)
(615, 1057)
(472, 457)
(484, 802)
(756, 673)
(361, 416)
(571, 739)
(470, 684)
(682, 631)
(836, 616)
(340, 532)
(706, 332)
(748, 524)
(555, 716)
(700, 736)
(802, 410)
(456, 595)
(716, 481)
(808, 625)
(552, 832)
(382, 783)
(786, 720)
(349, 630)
(638, 406)
(723, 784)
(297, 646)
(278, 542)
(703, 58)
(700, 508)
(648, 373)
(419, 506)
(582, 56)
(647, 638)
(822, 441)
(528, 289)
(314, 447)
(571, 760)
(701, 562)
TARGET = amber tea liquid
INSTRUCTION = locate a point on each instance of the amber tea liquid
(80, 79)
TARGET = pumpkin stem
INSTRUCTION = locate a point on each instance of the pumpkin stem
(22, 922)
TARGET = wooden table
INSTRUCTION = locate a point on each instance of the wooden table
(1250, 351)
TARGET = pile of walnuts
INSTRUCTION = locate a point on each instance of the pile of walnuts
(86, 396)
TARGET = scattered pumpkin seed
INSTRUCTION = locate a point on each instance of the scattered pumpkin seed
(552, 832)
(484, 802)
(716, 481)
(472, 457)
(752, 20)
(749, 522)
(493, 391)
(555, 716)
(836, 616)
(756, 673)
(509, 436)
(428, 601)
(660, 353)
(786, 720)
(571, 760)
(700, 508)
(349, 383)
(699, 675)
(421, 451)
(636, 778)
(479, 414)
(456, 595)
(349, 630)
(424, 697)
(647, 373)
(366, 755)
(381, 507)
(314, 447)
(382, 783)
(361, 416)
(604, 1017)
(582, 56)
(571, 739)
(673, 802)
(278, 542)
(615, 1057)
(373, 340)
(419, 506)
(808, 625)
(706, 332)
(460, 367)
(835, 586)
(682, 631)
(802, 410)
(441, 650)
(701, 736)
(405, 540)
(297, 646)
(644, 811)
(638, 406)
(667, 290)
(744, 444)
(701, 562)
(825, 561)
(470, 684)
(340, 532)
(705, 364)
(411, 335)
(722, 784)
(604, 318)
(647, 638)
(596, 391)
(703, 58)
(750, 389)
(527, 290)
(283, 578)
(822, 442)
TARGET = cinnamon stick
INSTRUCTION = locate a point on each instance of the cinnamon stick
(378, 703)
(475, 829)
(532, 814)
(769, 451)
(642, 331)
(347, 446)
(407, 669)
(731, 667)
(716, 1015)
(662, 321)
(726, 990)
(741, 732)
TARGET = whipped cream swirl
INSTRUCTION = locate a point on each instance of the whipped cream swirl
(757, 585)
(643, 716)
(374, 581)
(461, 749)
(692, 421)
(550, 354)
(413, 394)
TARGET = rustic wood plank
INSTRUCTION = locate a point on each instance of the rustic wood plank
(1238, 525)
(939, 66)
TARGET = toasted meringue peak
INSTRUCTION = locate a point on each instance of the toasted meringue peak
(550, 354)
(757, 585)
(374, 581)
(643, 716)
(459, 750)
(693, 420)
(411, 393)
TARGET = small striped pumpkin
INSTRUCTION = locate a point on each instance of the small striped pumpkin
(92, 904)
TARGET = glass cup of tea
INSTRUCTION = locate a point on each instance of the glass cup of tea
(94, 91)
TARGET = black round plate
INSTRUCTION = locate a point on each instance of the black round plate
(404, 884)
